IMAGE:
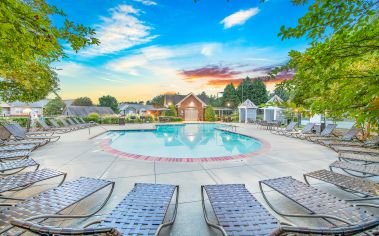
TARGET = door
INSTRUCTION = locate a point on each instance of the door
(191, 114)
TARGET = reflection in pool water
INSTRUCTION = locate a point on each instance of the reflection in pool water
(182, 141)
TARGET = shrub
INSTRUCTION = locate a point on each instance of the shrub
(23, 121)
(93, 117)
(171, 111)
(209, 114)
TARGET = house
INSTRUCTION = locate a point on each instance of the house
(24, 108)
(134, 108)
(189, 107)
(272, 112)
(83, 111)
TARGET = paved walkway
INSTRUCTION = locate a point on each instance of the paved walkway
(78, 155)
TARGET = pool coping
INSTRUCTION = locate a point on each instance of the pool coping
(266, 146)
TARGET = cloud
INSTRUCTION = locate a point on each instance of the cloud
(122, 30)
(239, 18)
(223, 82)
(147, 2)
(210, 71)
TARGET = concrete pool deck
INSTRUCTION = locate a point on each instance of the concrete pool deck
(78, 154)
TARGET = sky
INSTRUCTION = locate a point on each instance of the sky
(150, 47)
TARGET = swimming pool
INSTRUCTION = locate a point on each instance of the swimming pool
(187, 142)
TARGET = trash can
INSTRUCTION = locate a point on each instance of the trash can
(121, 120)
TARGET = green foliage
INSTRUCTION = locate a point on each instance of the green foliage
(171, 112)
(172, 118)
(281, 91)
(157, 101)
(93, 117)
(23, 121)
(230, 96)
(109, 101)
(339, 74)
(209, 114)
(82, 101)
(54, 107)
(30, 43)
(258, 93)
(235, 116)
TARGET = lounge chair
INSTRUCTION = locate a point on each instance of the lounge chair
(19, 128)
(369, 146)
(366, 189)
(24, 180)
(308, 129)
(239, 213)
(17, 147)
(13, 167)
(20, 134)
(141, 212)
(342, 216)
(13, 155)
(352, 168)
(290, 128)
(56, 125)
(347, 138)
(67, 125)
(82, 121)
(73, 123)
(51, 203)
(327, 132)
(360, 157)
(46, 127)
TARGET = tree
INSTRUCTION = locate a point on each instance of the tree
(157, 101)
(171, 112)
(209, 114)
(338, 75)
(30, 43)
(243, 89)
(215, 101)
(109, 101)
(82, 101)
(258, 93)
(281, 91)
(54, 107)
(230, 96)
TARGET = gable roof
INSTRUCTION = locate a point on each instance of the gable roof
(247, 104)
(38, 104)
(275, 98)
(175, 99)
(135, 106)
(83, 111)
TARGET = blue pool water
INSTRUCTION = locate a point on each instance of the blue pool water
(182, 141)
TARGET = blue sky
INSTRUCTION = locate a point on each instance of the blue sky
(150, 47)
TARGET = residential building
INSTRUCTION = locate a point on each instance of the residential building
(83, 111)
(189, 107)
(134, 108)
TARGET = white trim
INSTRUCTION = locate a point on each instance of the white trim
(204, 105)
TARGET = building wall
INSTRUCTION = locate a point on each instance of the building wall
(24, 111)
(191, 101)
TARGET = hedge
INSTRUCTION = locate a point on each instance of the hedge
(23, 121)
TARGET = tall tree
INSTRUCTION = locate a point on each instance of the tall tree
(157, 101)
(30, 43)
(109, 101)
(338, 74)
(54, 107)
(243, 89)
(82, 101)
(230, 96)
(258, 93)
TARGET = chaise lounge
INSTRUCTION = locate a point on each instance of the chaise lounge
(141, 212)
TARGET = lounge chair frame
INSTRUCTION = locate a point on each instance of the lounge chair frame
(17, 166)
(41, 229)
(57, 215)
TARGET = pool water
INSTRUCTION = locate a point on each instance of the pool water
(182, 141)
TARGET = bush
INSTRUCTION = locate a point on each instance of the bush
(23, 121)
(209, 114)
(171, 118)
(235, 117)
(93, 117)
(171, 112)
(109, 119)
